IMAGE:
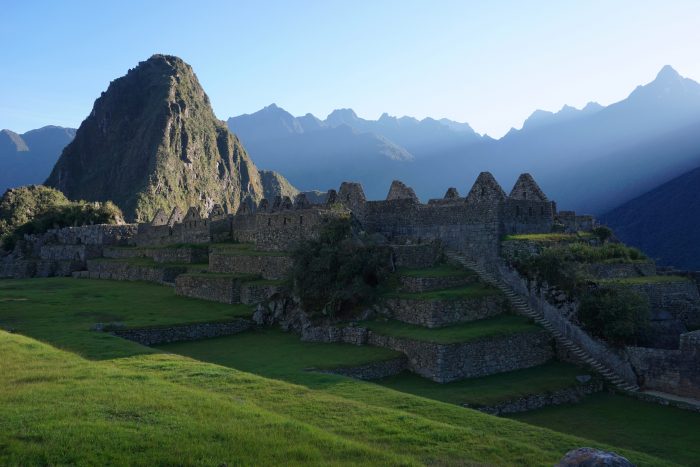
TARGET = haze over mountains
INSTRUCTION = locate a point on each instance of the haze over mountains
(28, 158)
(591, 159)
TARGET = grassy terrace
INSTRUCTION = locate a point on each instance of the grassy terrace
(492, 389)
(475, 290)
(61, 311)
(243, 249)
(172, 409)
(548, 237)
(441, 270)
(148, 262)
(643, 280)
(492, 327)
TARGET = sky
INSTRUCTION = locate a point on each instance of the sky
(490, 64)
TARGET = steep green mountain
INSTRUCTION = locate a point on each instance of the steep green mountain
(664, 222)
(26, 159)
(152, 141)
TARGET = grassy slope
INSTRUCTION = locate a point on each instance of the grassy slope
(497, 326)
(61, 311)
(490, 389)
(362, 412)
(675, 433)
(117, 416)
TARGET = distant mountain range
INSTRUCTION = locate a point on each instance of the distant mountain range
(28, 158)
(664, 222)
(591, 159)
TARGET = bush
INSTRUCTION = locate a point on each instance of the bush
(619, 316)
(603, 233)
(36, 209)
(339, 272)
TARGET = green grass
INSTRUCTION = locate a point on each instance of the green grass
(476, 290)
(644, 280)
(548, 237)
(466, 332)
(243, 249)
(440, 270)
(665, 432)
(58, 409)
(276, 354)
(490, 390)
(61, 311)
(149, 262)
(139, 406)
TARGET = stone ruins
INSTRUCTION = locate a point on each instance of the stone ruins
(243, 257)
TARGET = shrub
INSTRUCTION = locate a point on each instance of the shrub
(603, 233)
(339, 271)
(619, 316)
(36, 209)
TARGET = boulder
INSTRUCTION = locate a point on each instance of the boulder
(589, 457)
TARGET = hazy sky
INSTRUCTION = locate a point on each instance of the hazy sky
(489, 65)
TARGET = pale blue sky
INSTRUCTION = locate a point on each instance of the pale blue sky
(488, 63)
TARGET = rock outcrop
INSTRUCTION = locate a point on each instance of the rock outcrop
(589, 457)
(152, 142)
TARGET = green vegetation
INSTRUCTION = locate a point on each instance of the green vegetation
(62, 311)
(553, 237)
(475, 290)
(603, 233)
(35, 209)
(666, 432)
(276, 354)
(485, 328)
(151, 162)
(201, 413)
(620, 316)
(440, 270)
(57, 409)
(491, 389)
(243, 249)
(339, 271)
(149, 262)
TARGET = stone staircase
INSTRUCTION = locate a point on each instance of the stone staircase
(523, 307)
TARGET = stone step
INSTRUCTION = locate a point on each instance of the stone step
(524, 308)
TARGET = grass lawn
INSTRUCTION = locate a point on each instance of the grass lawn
(491, 389)
(468, 291)
(644, 280)
(665, 432)
(149, 262)
(498, 326)
(276, 354)
(548, 237)
(440, 270)
(243, 249)
(140, 406)
(61, 311)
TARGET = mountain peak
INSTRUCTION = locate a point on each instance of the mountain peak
(667, 73)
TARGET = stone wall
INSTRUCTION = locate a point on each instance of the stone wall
(679, 299)
(622, 270)
(265, 265)
(450, 362)
(570, 395)
(188, 255)
(417, 256)
(670, 371)
(559, 317)
(425, 284)
(223, 288)
(123, 271)
(439, 313)
(374, 370)
(184, 332)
